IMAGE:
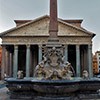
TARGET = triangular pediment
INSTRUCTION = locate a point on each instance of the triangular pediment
(66, 29)
(40, 27)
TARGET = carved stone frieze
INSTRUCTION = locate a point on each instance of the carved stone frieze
(25, 40)
(75, 40)
(44, 40)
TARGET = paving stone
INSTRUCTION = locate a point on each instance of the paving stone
(4, 94)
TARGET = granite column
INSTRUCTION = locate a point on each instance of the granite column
(28, 61)
(77, 60)
(90, 60)
(39, 53)
(15, 61)
(66, 53)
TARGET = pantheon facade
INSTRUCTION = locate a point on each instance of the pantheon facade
(23, 46)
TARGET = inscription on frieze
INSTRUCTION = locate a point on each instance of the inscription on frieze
(38, 40)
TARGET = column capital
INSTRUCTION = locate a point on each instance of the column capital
(77, 44)
(77, 47)
(65, 45)
(16, 47)
(40, 45)
(89, 46)
(3, 46)
(28, 46)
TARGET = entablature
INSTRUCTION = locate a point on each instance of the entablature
(44, 40)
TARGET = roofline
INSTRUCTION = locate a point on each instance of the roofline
(12, 29)
(31, 21)
(73, 20)
(83, 30)
(20, 21)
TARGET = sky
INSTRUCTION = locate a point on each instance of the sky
(88, 10)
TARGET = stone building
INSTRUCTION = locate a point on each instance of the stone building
(95, 65)
(22, 46)
(97, 55)
(0, 59)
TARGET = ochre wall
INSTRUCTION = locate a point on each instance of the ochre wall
(0, 59)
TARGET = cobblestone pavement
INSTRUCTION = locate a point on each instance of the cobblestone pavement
(3, 94)
(3, 91)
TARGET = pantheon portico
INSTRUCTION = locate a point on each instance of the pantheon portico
(23, 45)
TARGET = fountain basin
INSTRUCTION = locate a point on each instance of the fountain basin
(14, 84)
(52, 86)
(56, 86)
(42, 86)
(92, 85)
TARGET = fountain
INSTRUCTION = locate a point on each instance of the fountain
(54, 78)
(53, 74)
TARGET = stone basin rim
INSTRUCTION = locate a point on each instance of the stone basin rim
(33, 80)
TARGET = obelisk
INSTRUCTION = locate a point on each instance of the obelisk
(53, 25)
